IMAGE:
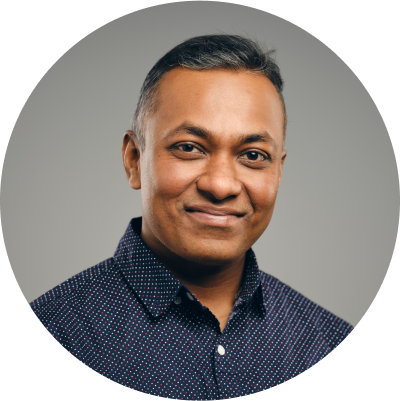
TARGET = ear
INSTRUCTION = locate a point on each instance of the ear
(131, 159)
(283, 157)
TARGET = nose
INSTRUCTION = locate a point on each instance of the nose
(220, 180)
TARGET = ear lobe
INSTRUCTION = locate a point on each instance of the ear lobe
(134, 178)
(131, 159)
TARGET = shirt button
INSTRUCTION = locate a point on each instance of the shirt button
(221, 350)
(177, 300)
(189, 296)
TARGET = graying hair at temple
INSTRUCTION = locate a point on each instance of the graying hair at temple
(209, 52)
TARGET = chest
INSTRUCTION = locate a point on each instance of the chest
(182, 353)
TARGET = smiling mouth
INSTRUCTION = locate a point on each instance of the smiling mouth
(214, 216)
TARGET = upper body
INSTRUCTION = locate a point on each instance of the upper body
(131, 320)
(206, 149)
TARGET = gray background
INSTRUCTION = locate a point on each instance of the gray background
(65, 200)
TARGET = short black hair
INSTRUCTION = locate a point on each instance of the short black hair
(209, 52)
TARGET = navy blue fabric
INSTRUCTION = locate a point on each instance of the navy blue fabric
(131, 320)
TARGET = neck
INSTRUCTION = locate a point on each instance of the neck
(207, 276)
(210, 283)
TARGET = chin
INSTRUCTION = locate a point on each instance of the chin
(213, 252)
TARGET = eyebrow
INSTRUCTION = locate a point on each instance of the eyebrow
(207, 135)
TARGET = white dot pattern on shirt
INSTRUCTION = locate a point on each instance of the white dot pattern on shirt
(119, 318)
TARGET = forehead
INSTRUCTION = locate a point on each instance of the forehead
(224, 102)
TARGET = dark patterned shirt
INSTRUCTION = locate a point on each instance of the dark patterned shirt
(131, 320)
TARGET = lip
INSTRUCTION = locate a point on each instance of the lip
(221, 216)
(214, 210)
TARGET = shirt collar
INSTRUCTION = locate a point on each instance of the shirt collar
(154, 284)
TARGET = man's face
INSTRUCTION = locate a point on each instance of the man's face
(212, 163)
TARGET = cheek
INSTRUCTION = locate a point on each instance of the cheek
(164, 180)
(262, 192)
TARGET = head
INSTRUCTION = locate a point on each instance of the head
(207, 148)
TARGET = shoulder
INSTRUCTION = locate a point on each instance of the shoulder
(72, 291)
(297, 310)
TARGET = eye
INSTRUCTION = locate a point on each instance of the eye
(188, 148)
(254, 156)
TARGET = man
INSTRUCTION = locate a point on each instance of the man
(182, 310)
